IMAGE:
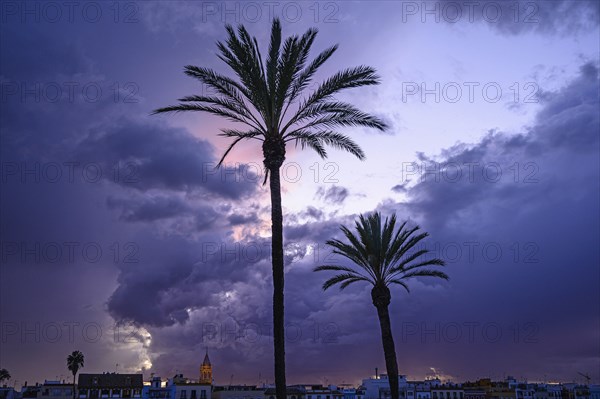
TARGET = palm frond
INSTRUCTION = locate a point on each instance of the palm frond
(346, 79)
(232, 116)
(404, 269)
(350, 281)
(410, 241)
(290, 66)
(239, 135)
(305, 139)
(240, 55)
(400, 282)
(273, 59)
(337, 268)
(341, 278)
(424, 273)
(229, 105)
(305, 77)
(332, 139)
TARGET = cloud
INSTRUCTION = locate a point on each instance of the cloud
(149, 208)
(154, 156)
(237, 219)
(560, 17)
(333, 195)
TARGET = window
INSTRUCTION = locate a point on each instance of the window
(183, 394)
(203, 394)
(193, 394)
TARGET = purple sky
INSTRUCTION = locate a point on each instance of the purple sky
(119, 241)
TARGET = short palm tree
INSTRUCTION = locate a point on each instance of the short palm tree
(382, 256)
(74, 363)
(4, 375)
(266, 99)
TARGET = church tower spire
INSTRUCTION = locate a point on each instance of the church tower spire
(206, 370)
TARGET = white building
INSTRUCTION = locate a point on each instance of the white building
(378, 386)
(188, 389)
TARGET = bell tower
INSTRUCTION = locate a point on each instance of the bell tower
(206, 370)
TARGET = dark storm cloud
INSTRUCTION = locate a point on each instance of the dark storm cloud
(333, 195)
(237, 219)
(313, 212)
(399, 188)
(157, 157)
(510, 168)
(149, 209)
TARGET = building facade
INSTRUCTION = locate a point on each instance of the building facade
(110, 386)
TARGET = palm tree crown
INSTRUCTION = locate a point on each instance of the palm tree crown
(75, 361)
(4, 375)
(262, 97)
(382, 254)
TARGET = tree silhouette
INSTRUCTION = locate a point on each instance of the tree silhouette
(266, 99)
(381, 256)
(74, 363)
(4, 375)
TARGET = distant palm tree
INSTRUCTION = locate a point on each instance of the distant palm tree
(382, 256)
(74, 363)
(4, 375)
(264, 100)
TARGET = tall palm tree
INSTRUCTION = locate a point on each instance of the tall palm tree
(74, 363)
(382, 256)
(266, 99)
(4, 375)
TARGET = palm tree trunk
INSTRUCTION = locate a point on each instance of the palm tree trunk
(74, 385)
(278, 283)
(381, 299)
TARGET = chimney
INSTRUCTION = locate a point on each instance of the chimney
(376, 373)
